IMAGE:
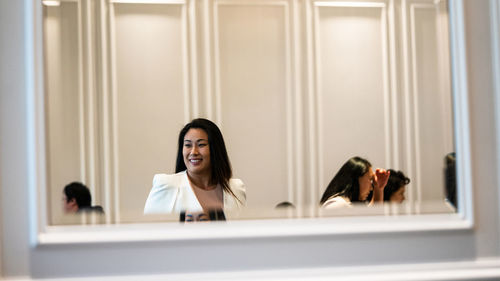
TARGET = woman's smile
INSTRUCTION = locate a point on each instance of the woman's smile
(196, 152)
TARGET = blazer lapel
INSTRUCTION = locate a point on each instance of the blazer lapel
(187, 197)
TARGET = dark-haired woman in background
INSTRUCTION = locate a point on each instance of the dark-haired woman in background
(394, 191)
(202, 181)
(353, 183)
(450, 179)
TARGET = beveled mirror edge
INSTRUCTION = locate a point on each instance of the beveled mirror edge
(495, 35)
(460, 111)
(175, 232)
(42, 234)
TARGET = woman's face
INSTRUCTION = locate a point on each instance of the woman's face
(192, 217)
(196, 152)
(398, 196)
(69, 206)
(365, 184)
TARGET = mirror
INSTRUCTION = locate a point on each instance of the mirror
(297, 88)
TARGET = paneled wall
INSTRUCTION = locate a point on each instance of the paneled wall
(64, 103)
(427, 90)
(253, 95)
(149, 96)
(297, 87)
(353, 94)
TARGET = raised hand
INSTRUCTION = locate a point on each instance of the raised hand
(380, 179)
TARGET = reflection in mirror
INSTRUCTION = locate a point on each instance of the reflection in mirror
(296, 87)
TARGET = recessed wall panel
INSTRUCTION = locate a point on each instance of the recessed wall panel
(430, 100)
(351, 92)
(253, 94)
(150, 97)
(62, 104)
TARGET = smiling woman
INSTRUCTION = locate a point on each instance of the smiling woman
(202, 182)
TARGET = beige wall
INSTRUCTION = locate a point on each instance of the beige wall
(64, 103)
(297, 88)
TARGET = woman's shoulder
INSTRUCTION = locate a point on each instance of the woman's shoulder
(163, 195)
(168, 180)
(336, 202)
(236, 183)
(239, 189)
(237, 186)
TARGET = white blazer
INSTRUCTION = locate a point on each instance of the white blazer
(173, 194)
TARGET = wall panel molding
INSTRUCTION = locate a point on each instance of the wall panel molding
(189, 92)
(292, 94)
(388, 71)
(495, 39)
(414, 95)
(311, 100)
(69, 123)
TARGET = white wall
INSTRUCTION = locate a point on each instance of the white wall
(14, 175)
(422, 254)
(481, 82)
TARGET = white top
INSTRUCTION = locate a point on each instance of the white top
(337, 202)
(173, 194)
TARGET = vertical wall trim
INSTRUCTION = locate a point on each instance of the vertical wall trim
(409, 166)
(318, 102)
(289, 105)
(90, 99)
(394, 87)
(299, 145)
(218, 114)
(444, 76)
(194, 58)
(414, 95)
(81, 101)
(313, 160)
(208, 59)
(105, 113)
(185, 66)
(114, 115)
(386, 89)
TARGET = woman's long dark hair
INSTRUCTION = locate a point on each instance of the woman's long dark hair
(397, 179)
(219, 161)
(450, 178)
(346, 181)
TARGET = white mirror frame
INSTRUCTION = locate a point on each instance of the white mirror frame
(257, 246)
